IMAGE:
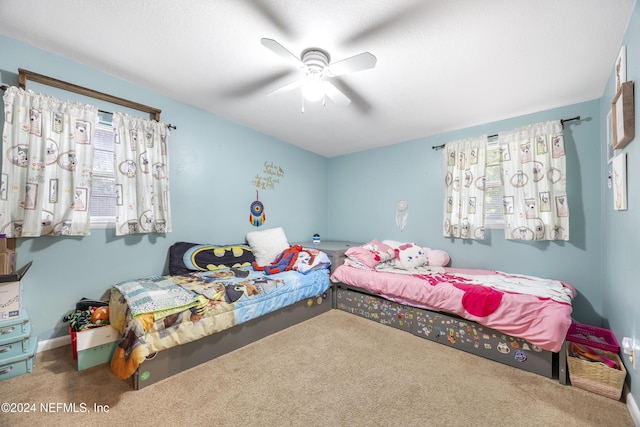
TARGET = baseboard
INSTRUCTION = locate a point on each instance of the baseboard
(632, 406)
(53, 343)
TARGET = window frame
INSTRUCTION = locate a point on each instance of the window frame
(100, 221)
(493, 220)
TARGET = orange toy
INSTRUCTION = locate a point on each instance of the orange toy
(100, 315)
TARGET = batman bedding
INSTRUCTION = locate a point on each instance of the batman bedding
(210, 289)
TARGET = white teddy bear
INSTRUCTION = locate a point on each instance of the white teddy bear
(410, 255)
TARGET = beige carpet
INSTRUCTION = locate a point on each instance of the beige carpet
(334, 370)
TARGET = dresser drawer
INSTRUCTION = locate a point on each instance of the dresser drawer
(95, 356)
(15, 328)
(15, 348)
(94, 346)
(19, 364)
(94, 337)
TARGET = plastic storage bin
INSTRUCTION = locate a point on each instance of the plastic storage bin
(95, 346)
(19, 363)
(605, 340)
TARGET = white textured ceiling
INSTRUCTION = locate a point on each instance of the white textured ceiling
(441, 65)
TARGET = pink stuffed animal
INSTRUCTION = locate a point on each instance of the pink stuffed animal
(436, 257)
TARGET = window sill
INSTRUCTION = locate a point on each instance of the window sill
(103, 225)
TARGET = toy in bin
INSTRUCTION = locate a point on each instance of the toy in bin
(584, 352)
(91, 342)
(89, 314)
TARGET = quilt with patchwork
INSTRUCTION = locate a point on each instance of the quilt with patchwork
(160, 312)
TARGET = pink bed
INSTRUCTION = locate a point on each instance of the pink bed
(537, 310)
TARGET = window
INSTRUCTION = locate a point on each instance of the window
(493, 205)
(103, 194)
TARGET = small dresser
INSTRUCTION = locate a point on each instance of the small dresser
(334, 249)
(17, 346)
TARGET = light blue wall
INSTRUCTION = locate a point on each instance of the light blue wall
(621, 229)
(212, 163)
(364, 188)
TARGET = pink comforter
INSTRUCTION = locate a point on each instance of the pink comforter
(540, 320)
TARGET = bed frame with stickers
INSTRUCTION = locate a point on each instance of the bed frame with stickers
(453, 331)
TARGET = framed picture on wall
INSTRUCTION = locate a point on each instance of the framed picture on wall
(620, 182)
(623, 116)
(621, 68)
(611, 152)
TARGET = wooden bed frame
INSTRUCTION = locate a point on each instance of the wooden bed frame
(453, 331)
(171, 361)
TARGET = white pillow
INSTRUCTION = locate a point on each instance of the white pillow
(267, 244)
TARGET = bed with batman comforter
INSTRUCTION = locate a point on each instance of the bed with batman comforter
(213, 302)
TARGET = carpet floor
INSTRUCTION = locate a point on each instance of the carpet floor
(336, 369)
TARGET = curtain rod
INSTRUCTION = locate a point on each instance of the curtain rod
(562, 122)
(24, 75)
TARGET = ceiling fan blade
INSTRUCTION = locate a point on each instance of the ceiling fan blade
(287, 87)
(257, 85)
(357, 100)
(360, 62)
(334, 94)
(278, 49)
(266, 10)
(392, 21)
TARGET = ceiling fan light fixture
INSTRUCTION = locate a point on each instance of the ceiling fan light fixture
(313, 90)
(315, 63)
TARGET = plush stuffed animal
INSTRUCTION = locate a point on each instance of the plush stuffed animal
(285, 261)
(436, 257)
(409, 256)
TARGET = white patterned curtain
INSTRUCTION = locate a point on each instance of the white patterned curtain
(533, 165)
(142, 175)
(46, 165)
(464, 186)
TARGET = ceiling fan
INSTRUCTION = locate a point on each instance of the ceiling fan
(317, 70)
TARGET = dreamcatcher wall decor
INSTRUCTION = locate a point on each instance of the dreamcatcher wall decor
(257, 217)
(267, 179)
(401, 214)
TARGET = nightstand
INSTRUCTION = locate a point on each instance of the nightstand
(334, 249)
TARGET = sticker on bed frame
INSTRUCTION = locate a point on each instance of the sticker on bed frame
(382, 311)
(503, 347)
(520, 356)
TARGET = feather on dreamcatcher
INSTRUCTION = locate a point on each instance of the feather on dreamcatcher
(257, 217)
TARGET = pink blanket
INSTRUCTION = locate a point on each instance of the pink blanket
(538, 318)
